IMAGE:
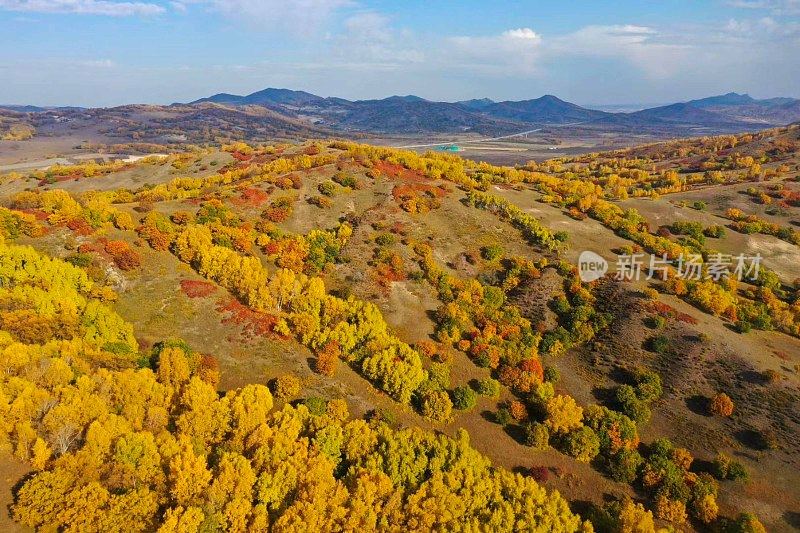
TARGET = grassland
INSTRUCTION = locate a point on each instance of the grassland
(704, 354)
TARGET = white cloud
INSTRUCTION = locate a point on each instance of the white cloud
(762, 29)
(643, 47)
(352, 52)
(524, 52)
(749, 4)
(630, 58)
(301, 17)
(522, 33)
(369, 40)
(84, 7)
(96, 63)
(517, 50)
(784, 7)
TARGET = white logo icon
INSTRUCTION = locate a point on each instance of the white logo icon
(591, 266)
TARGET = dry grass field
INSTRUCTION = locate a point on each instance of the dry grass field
(695, 353)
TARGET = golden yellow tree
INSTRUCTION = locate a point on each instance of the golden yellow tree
(188, 476)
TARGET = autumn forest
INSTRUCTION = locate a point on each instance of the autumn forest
(334, 336)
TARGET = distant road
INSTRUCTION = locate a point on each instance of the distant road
(472, 142)
(487, 139)
(45, 164)
(26, 165)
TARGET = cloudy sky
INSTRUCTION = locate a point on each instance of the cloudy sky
(109, 52)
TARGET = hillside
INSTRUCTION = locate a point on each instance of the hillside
(266, 97)
(169, 126)
(545, 110)
(399, 114)
(731, 112)
(684, 118)
(336, 336)
(729, 99)
(285, 113)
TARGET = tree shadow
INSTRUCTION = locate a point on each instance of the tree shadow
(604, 395)
(750, 438)
(15, 490)
(702, 465)
(731, 327)
(516, 432)
(698, 404)
(694, 338)
(792, 518)
(489, 416)
(753, 377)
(431, 314)
(620, 375)
(582, 507)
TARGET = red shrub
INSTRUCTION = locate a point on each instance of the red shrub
(328, 358)
(253, 322)
(115, 247)
(540, 473)
(128, 260)
(518, 410)
(277, 214)
(197, 289)
(122, 255)
(208, 370)
(241, 157)
(80, 227)
(254, 197)
(534, 366)
(88, 247)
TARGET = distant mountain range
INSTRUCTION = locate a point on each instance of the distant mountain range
(411, 114)
(396, 114)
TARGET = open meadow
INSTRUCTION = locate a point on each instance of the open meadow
(225, 337)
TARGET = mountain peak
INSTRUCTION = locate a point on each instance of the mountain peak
(476, 104)
(412, 113)
(407, 98)
(547, 109)
(220, 98)
(727, 99)
(273, 95)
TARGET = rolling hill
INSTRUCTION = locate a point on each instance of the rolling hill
(275, 333)
(265, 97)
(683, 115)
(395, 114)
(409, 114)
(285, 113)
(729, 99)
(404, 114)
(547, 109)
(772, 111)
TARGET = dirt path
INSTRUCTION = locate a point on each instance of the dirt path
(11, 471)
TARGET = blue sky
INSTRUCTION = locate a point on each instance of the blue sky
(110, 52)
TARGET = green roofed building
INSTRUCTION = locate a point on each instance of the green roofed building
(449, 148)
